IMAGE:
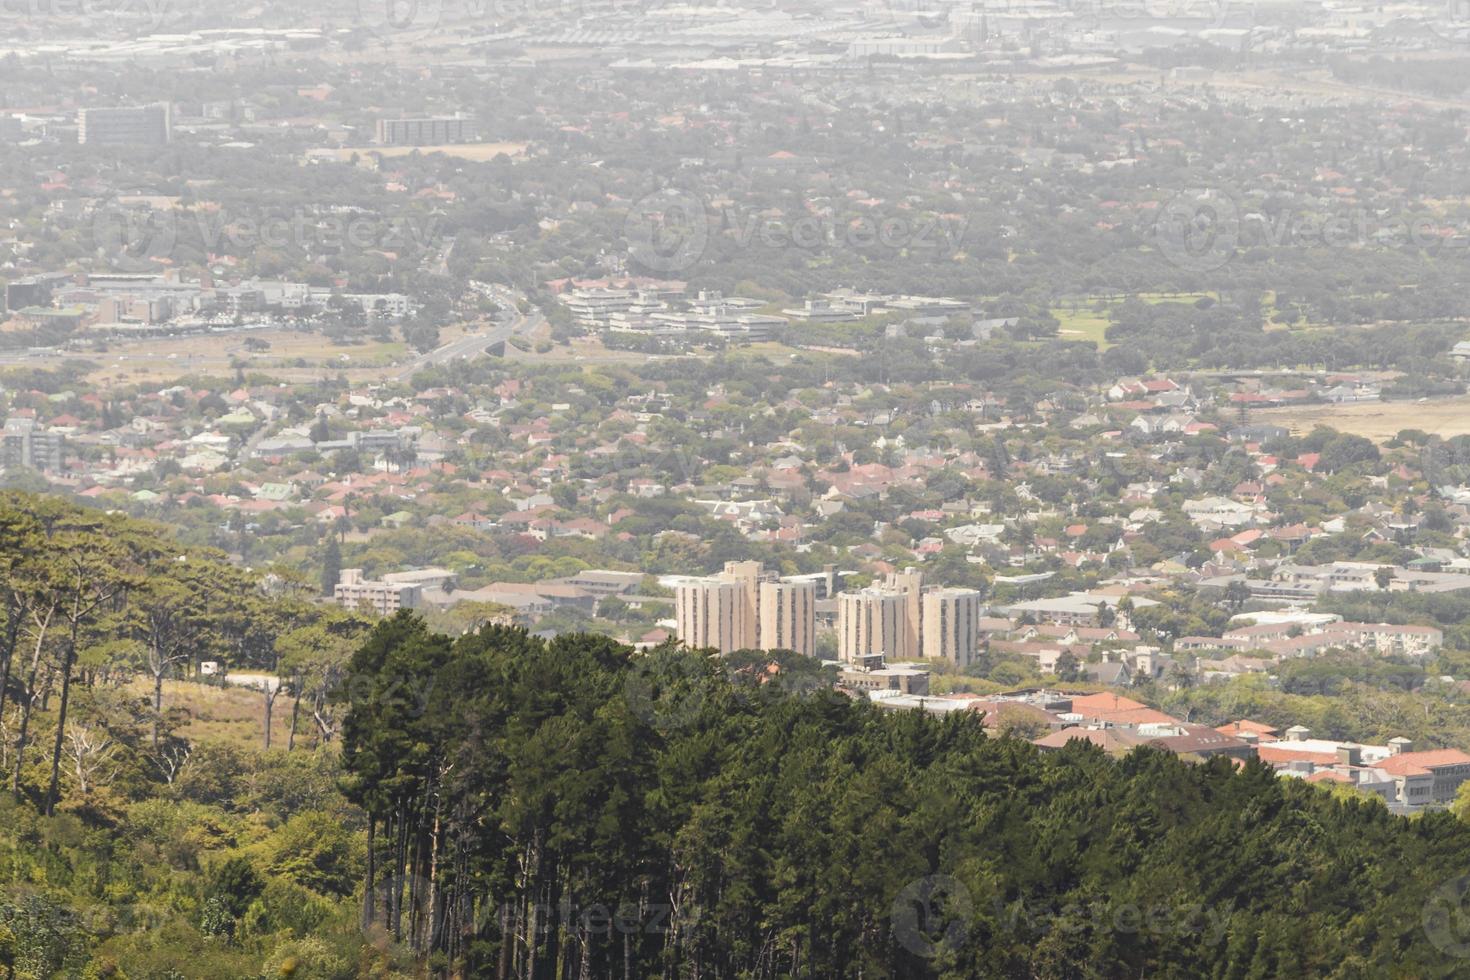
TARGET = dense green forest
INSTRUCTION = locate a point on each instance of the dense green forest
(566, 809)
(496, 805)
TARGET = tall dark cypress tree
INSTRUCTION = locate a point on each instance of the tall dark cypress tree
(331, 565)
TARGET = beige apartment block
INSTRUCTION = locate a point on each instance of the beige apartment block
(353, 591)
(951, 629)
(870, 622)
(902, 620)
(788, 616)
(747, 608)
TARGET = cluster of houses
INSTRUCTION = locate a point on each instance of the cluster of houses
(783, 496)
(1302, 636)
(539, 463)
(1095, 634)
(1405, 779)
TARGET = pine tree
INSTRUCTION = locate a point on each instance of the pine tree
(331, 565)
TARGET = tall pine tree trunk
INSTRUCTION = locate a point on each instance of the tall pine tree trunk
(400, 847)
(532, 894)
(433, 898)
(12, 641)
(23, 738)
(67, 661)
(371, 885)
(415, 889)
(269, 694)
(507, 941)
(157, 696)
(295, 712)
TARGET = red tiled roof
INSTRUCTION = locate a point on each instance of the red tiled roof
(1275, 752)
(1246, 725)
(1107, 739)
(1418, 763)
(1329, 776)
(1103, 701)
(1136, 716)
(1118, 710)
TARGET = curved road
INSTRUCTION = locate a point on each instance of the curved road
(473, 345)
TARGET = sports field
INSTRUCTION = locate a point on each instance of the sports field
(1378, 421)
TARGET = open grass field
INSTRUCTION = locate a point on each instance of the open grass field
(582, 350)
(229, 715)
(781, 352)
(1176, 297)
(1378, 421)
(1081, 320)
(293, 355)
(1082, 324)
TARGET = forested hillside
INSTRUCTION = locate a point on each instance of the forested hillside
(148, 829)
(671, 815)
(494, 805)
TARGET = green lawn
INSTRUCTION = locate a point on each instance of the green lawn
(1082, 324)
(1175, 297)
(1081, 321)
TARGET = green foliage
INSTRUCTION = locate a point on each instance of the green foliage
(44, 938)
(308, 959)
(799, 823)
(569, 807)
(165, 856)
(233, 886)
(315, 851)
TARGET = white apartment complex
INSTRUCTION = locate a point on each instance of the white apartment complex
(902, 620)
(387, 598)
(747, 608)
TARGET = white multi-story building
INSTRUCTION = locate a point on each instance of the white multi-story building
(870, 623)
(593, 308)
(710, 614)
(950, 629)
(353, 591)
(788, 616)
(746, 608)
(902, 620)
(23, 443)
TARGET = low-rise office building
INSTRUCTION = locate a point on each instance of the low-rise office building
(353, 591)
